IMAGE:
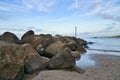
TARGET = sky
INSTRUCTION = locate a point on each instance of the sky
(60, 16)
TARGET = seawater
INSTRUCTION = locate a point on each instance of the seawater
(110, 45)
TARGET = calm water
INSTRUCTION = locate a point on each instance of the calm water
(110, 46)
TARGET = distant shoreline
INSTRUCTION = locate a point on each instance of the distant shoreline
(107, 37)
(104, 50)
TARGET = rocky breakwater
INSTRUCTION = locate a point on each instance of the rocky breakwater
(37, 52)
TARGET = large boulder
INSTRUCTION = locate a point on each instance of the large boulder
(63, 60)
(45, 42)
(74, 45)
(11, 61)
(54, 48)
(33, 61)
(59, 38)
(28, 33)
(35, 40)
(9, 37)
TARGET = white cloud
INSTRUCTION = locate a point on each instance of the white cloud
(107, 9)
(11, 7)
(40, 5)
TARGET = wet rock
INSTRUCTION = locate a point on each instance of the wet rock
(90, 43)
(28, 33)
(63, 60)
(33, 61)
(11, 61)
(9, 37)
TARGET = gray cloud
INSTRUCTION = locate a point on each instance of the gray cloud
(109, 16)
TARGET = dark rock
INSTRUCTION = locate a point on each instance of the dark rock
(33, 61)
(86, 46)
(11, 61)
(90, 43)
(81, 41)
(63, 60)
(28, 33)
(81, 50)
(9, 37)
(43, 45)
(74, 45)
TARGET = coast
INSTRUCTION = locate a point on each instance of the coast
(107, 68)
(47, 57)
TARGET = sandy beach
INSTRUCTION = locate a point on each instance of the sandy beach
(107, 68)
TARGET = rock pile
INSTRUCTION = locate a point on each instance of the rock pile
(37, 52)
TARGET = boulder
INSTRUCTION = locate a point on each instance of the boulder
(60, 39)
(81, 50)
(90, 43)
(9, 37)
(11, 61)
(35, 40)
(43, 45)
(28, 33)
(54, 48)
(81, 41)
(75, 46)
(72, 45)
(63, 60)
(33, 61)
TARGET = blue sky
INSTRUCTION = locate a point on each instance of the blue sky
(60, 16)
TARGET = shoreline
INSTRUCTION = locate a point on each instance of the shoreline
(107, 68)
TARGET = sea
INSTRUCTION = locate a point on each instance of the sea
(109, 46)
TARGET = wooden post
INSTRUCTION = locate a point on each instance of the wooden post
(76, 31)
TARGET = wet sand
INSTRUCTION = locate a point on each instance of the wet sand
(107, 68)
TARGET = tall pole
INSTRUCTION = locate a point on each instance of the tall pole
(76, 31)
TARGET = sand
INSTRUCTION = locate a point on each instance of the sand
(107, 68)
